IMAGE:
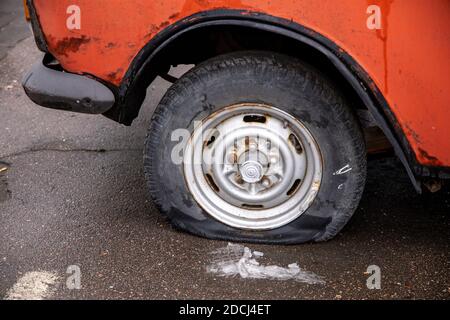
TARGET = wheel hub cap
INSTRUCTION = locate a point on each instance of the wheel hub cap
(252, 166)
(251, 171)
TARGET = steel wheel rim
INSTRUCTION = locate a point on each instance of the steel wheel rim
(252, 166)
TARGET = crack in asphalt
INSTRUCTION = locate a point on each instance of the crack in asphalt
(25, 152)
(12, 46)
(14, 17)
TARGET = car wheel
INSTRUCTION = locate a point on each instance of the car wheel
(256, 147)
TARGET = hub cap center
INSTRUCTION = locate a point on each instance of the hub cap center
(251, 171)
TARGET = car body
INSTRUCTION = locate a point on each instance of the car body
(392, 57)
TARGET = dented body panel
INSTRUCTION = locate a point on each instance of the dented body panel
(407, 59)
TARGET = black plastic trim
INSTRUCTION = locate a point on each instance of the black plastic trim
(61, 90)
(39, 38)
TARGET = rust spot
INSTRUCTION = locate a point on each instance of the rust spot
(155, 29)
(239, 179)
(114, 76)
(111, 45)
(316, 185)
(163, 25)
(70, 44)
(413, 134)
(174, 16)
(247, 142)
(431, 160)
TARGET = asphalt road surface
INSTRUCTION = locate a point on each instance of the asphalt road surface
(73, 197)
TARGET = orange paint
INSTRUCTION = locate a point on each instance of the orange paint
(408, 59)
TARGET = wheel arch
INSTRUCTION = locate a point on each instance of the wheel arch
(154, 59)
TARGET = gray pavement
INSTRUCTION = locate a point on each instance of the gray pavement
(73, 193)
(12, 25)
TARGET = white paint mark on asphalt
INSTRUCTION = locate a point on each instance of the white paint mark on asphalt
(340, 186)
(234, 260)
(343, 170)
(35, 285)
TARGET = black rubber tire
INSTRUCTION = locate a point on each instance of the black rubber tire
(273, 79)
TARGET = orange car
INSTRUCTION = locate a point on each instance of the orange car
(265, 139)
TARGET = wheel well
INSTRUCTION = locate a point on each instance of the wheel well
(202, 44)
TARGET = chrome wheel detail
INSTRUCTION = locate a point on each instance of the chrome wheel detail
(252, 166)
